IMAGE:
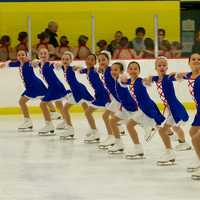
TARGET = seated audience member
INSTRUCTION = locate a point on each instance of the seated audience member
(102, 45)
(165, 49)
(149, 48)
(124, 52)
(116, 42)
(175, 50)
(138, 41)
(196, 45)
(83, 50)
(44, 43)
(23, 42)
(5, 49)
(51, 30)
(64, 46)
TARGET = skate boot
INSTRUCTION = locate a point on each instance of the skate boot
(68, 133)
(183, 147)
(109, 141)
(194, 166)
(61, 125)
(92, 137)
(135, 152)
(149, 133)
(55, 115)
(168, 158)
(26, 126)
(117, 148)
(196, 175)
(47, 130)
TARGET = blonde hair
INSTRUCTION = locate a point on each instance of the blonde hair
(69, 53)
(160, 58)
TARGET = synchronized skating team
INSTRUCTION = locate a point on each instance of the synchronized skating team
(123, 97)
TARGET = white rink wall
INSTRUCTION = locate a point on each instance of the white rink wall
(11, 85)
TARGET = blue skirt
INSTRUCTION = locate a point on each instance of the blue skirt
(35, 91)
(81, 93)
(55, 94)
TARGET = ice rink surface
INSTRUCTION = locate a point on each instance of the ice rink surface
(45, 168)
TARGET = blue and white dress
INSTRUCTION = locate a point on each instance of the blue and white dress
(34, 87)
(109, 82)
(176, 111)
(194, 88)
(145, 103)
(101, 94)
(79, 92)
(56, 90)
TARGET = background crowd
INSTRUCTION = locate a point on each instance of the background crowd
(120, 47)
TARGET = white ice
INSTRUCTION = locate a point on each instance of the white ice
(45, 168)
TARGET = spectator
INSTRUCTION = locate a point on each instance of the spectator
(196, 45)
(23, 42)
(175, 50)
(116, 42)
(5, 49)
(64, 46)
(149, 48)
(52, 32)
(138, 41)
(82, 51)
(102, 45)
(124, 52)
(44, 43)
(165, 49)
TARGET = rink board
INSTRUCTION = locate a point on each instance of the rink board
(11, 85)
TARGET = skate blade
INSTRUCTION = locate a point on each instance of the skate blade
(192, 170)
(187, 149)
(92, 141)
(137, 157)
(51, 133)
(196, 178)
(25, 130)
(120, 151)
(103, 147)
(170, 163)
(70, 137)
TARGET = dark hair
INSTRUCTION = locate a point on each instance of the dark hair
(92, 54)
(82, 40)
(149, 43)
(101, 43)
(64, 40)
(43, 35)
(104, 54)
(121, 66)
(22, 36)
(124, 41)
(140, 30)
(118, 32)
(134, 62)
(162, 30)
(192, 55)
(4, 39)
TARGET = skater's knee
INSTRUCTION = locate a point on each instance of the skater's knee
(192, 133)
(43, 104)
(113, 120)
(105, 117)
